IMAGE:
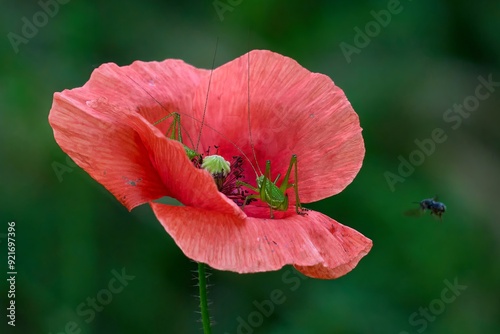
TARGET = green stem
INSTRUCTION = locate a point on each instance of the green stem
(205, 318)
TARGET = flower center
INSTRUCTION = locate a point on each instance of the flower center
(218, 167)
(225, 175)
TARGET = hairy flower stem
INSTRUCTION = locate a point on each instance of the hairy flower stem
(205, 317)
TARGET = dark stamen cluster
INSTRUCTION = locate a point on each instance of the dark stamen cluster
(226, 184)
(229, 187)
(197, 161)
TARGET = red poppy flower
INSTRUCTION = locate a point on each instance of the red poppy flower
(261, 106)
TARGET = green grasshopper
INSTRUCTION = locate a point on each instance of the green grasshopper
(269, 192)
(266, 190)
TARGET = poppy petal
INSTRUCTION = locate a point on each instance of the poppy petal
(106, 149)
(182, 181)
(292, 111)
(247, 245)
(154, 89)
(109, 150)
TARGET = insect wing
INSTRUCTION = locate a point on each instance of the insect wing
(414, 212)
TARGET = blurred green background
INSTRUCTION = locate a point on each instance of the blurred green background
(72, 235)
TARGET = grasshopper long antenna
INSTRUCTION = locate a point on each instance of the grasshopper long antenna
(248, 116)
(197, 120)
(208, 93)
(205, 111)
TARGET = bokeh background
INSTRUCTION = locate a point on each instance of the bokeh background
(71, 233)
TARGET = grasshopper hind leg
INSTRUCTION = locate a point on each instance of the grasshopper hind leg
(284, 186)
